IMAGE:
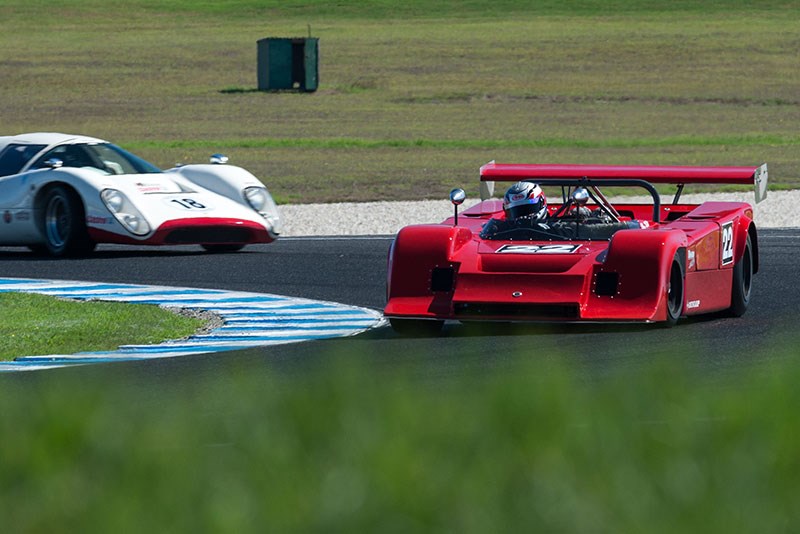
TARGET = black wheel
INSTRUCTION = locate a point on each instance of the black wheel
(674, 292)
(416, 327)
(216, 249)
(63, 223)
(742, 282)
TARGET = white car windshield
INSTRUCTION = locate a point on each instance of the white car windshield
(102, 156)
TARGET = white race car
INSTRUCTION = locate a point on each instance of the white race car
(62, 194)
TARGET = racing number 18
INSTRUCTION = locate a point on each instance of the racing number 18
(188, 203)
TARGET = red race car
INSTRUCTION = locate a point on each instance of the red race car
(581, 258)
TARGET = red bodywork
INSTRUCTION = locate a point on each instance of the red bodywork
(443, 271)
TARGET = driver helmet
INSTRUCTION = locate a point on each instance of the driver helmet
(525, 199)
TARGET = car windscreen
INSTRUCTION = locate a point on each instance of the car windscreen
(129, 163)
(528, 229)
(14, 157)
(102, 156)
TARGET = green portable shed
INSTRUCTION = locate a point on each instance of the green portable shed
(288, 63)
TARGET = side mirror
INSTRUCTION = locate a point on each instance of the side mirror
(457, 197)
(54, 163)
(219, 159)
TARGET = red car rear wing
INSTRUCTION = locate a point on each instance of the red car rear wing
(680, 175)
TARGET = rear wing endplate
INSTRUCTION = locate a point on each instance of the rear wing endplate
(680, 175)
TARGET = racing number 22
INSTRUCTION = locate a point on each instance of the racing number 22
(727, 243)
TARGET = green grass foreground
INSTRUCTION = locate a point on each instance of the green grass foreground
(414, 96)
(35, 325)
(346, 446)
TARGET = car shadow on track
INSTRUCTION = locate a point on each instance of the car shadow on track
(455, 329)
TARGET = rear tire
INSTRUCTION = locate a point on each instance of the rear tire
(63, 224)
(675, 288)
(416, 327)
(742, 282)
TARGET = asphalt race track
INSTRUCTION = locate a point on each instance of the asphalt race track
(352, 271)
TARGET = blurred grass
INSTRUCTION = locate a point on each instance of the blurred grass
(346, 446)
(36, 325)
(413, 101)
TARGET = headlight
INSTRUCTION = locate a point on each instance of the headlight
(256, 197)
(261, 201)
(135, 224)
(125, 212)
(113, 200)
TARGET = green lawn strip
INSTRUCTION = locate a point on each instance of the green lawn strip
(38, 325)
(341, 143)
(299, 169)
(415, 174)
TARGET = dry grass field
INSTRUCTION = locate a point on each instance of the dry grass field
(411, 106)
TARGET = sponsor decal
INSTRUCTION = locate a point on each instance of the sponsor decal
(538, 249)
(23, 216)
(692, 304)
(7, 217)
(727, 243)
(691, 259)
(94, 219)
(643, 225)
(150, 188)
(518, 196)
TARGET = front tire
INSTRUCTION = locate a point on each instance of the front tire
(742, 282)
(675, 289)
(63, 223)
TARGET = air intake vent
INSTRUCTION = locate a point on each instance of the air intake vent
(442, 279)
(209, 234)
(523, 310)
(605, 284)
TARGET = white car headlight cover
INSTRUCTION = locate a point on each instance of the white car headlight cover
(261, 201)
(256, 197)
(125, 212)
